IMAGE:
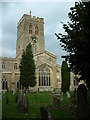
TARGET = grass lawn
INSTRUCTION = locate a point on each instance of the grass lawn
(43, 99)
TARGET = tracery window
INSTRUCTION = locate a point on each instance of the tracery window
(44, 76)
(30, 28)
(4, 83)
(36, 30)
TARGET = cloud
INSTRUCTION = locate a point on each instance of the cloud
(52, 45)
(9, 52)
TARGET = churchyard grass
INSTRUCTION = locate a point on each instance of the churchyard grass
(43, 99)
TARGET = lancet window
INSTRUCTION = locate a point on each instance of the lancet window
(30, 28)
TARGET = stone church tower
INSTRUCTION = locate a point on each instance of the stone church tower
(30, 29)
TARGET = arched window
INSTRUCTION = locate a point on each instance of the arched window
(4, 83)
(36, 30)
(44, 76)
(30, 28)
(3, 65)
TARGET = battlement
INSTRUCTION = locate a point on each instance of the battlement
(33, 18)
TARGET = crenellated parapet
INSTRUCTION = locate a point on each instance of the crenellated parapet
(30, 17)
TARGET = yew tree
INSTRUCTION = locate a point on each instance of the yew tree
(65, 77)
(76, 41)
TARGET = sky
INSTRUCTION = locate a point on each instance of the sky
(53, 13)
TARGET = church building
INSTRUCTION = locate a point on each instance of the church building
(30, 29)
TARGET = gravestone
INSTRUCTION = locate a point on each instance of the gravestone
(68, 94)
(82, 101)
(25, 103)
(61, 97)
(45, 114)
(57, 103)
(19, 97)
(13, 91)
(7, 99)
(36, 94)
(52, 99)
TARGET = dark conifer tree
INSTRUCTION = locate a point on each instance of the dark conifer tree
(77, 40)
(27, 68)
(65, 77)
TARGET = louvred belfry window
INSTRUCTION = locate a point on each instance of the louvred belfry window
(30, 28)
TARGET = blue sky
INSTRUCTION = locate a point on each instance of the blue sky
(52, 12)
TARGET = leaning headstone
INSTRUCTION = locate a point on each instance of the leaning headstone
(82, 101)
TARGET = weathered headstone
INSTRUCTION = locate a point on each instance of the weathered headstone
(61, 97)
(57, 103)
(13, 91)
(19, 97)
(49, 116)
(82, 101)
(25, 103)
(68, 94)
